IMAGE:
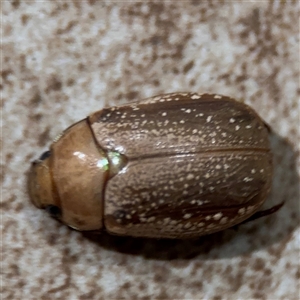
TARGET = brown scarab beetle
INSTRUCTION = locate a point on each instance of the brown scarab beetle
(172, 166)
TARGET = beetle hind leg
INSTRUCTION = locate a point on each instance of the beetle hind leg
(264, 213)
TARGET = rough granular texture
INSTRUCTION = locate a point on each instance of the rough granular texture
(62, 60)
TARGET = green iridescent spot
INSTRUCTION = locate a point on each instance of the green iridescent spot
(103, 164)
(115, 158)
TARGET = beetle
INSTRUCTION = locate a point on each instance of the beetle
(177, 165)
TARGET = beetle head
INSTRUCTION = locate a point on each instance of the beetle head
(68, 181)
(40, 183)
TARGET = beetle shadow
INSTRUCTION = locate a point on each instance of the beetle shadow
(240, 240)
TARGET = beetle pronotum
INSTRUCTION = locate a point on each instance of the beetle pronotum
(175, 166)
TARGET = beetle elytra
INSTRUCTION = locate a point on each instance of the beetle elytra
(177, 165)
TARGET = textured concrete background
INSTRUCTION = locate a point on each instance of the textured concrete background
(62, 60)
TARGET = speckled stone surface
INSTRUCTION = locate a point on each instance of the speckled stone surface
(62, 60)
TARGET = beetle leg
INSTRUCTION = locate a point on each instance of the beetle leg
(268, 127)
(264, 213)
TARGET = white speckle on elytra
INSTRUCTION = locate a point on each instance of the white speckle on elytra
(187, 225)
(248, 126)
(207, 218)
(164, 114)
(226, 167)
(213, 134)
(194, 131)
(242, 211)
(182, 122)
(217, 216)
(190, 177)
(155, 132)
(167, 220)
(187, 216)
(208, 119)
(207, 175)
(231, 120)
(250, 208)
(237, 127)
(224, 220)
(247, 179)
(151, 219)
(218, 97)
(253, 171)
(179, 226)
(224, 134)
(213, 141)
(218, 167)
(195, 96)
(201, 224)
